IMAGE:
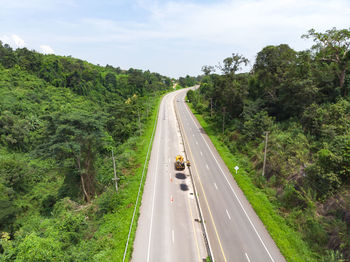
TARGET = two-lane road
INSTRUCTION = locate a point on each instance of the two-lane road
(235, 232)
(167, 230)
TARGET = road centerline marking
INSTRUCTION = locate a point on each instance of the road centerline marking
(216, 186)
(228, 214)
(246, 255)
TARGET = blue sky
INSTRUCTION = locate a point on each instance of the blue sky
(173, 38)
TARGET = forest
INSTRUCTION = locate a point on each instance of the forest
(60, 119)
(298, 103)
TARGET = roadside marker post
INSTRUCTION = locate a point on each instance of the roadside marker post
(236, 168)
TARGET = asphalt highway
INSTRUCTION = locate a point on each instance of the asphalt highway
(234, 230)
(170, 226)
(167, 228)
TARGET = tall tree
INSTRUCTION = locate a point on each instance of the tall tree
(333, 46)
(74, 138)
(232, 64)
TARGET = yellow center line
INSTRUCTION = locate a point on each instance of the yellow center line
(205, 197)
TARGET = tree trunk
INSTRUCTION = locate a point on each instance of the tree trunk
(87, 197)
(89, 173)
(342, 81)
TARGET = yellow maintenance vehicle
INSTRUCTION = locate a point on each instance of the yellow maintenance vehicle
(179, 163)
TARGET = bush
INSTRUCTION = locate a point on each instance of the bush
(255, 125)
(324, 183)
(36, 249)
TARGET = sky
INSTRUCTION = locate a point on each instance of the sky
(173, 38)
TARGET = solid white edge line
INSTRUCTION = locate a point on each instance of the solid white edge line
(245, 212)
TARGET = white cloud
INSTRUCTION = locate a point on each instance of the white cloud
(46, 49)
(233, 22)
(14, 40)
(19, 42)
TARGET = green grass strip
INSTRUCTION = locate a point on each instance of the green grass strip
(288, 240)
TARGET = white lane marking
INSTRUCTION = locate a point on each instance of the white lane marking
(216, 186)
(246, 255)
(196, 143)
(240, 203)
(228, 214)
(154, 196)
(172, 236)
(206, 165)
(192, 134)
(201, 153)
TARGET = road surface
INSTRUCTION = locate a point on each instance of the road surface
(167, 228)
(234, 231)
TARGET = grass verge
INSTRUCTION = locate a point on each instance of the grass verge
(288, 240)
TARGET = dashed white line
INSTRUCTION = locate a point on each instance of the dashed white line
(228, 214)
(216, 186)
(192, 134)
(172, 236)
(196, 143)
(206, 165)
(234, 193)
(246, 255)
(201, 153)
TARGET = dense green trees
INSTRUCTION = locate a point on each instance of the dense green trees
(59, 119)
(302, 99)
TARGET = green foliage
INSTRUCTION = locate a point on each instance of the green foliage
(301, 98)
(333, 48)
(35, 248)
(288, 240)
(60, 118)
(255, 125)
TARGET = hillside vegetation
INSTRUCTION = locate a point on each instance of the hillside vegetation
(60, 119)
(302, 100)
